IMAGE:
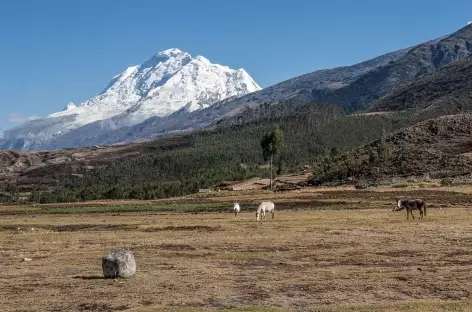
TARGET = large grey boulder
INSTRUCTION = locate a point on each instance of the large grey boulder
(119, 263)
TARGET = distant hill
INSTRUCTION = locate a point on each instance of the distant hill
(447, 91)
(423, 59)
(440, 148)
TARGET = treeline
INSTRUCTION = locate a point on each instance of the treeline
(225, 154)
(369, 161)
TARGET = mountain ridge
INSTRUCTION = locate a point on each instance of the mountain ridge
(183, 122)
(447, 91)
(316, 87)
(424, 58)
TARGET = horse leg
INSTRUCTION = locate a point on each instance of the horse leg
(421, 214)
(407, 214)
(411, 212)
(273, 214)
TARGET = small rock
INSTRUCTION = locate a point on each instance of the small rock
(27, 259)
(119, 263)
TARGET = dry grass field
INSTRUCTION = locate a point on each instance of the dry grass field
(327, 250)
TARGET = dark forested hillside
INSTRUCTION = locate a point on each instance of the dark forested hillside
(439, 148)
(229, 153)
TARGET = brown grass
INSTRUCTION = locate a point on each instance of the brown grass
(318, 260)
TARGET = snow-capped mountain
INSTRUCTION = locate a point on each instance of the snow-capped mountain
(169, 81)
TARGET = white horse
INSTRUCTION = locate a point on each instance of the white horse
(236, 209)
(263, 208)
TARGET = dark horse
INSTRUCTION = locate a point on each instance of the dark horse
(410, 205)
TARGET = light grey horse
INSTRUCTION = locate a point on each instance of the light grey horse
(236, 209)
(264, 207)
(410, 205)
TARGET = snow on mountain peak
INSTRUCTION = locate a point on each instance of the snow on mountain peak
(170, 52)
(168, 81)
(69, 106)
(203, 60)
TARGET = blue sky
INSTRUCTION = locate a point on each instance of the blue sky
(55, 51)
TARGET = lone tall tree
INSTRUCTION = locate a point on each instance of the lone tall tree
(271, 144)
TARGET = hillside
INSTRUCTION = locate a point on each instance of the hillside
(445, 92)
(438, 148)
(423, 59)
(182, 165)
(44, 170)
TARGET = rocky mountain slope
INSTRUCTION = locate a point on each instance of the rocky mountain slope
(423, 59)
(169, 81)
(447, 91)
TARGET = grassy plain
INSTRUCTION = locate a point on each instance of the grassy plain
(326, 250)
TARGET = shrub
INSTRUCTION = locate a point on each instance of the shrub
(400, 185)
(446, 182)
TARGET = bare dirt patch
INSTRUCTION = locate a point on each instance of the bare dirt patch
(68, 227)
(176, 247)
(203, 228)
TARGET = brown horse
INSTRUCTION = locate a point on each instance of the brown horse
(410, 205)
